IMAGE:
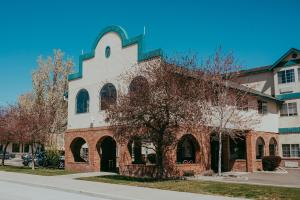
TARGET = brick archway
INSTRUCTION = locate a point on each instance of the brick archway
(107, 149)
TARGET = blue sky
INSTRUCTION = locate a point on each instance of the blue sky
(257, 31)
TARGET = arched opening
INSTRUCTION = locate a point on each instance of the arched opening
(107, 149)
(139, 90)
(135, 149)
(82, 101)
(108, 96)
(260, 148)
(80, 150)
(187, 149)
(273, 147)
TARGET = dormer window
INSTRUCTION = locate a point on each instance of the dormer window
(286, 76)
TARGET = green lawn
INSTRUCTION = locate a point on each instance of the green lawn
(205, 187)
(37, 171)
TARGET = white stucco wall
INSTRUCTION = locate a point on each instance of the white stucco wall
(97, 72)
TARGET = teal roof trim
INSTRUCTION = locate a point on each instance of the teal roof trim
(139, 40)
(295, 95)
(289, 130)
(292, 50)
(271, 67)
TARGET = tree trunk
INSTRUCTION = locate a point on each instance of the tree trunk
(33, 157)
(4, 153)
(160, 158)
(220, 154)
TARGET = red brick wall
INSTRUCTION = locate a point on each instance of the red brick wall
(94, 136)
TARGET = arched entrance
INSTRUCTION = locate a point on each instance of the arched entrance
(107, 148)
(187, 148)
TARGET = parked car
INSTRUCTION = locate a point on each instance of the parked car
(7, 155)
(42, 160)
(38, 161)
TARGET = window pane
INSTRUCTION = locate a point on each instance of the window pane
(281, 77)
(298, 74)
(264, 107)
(295, 151)
(292, 109)
(290, 76)
(283, 110)
(15, 148)
(82, 101)
(286, 150)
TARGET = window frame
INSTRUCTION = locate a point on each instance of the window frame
(14, 146)
(288, 152)
(88, 102)
(287, 112)
(262, 107)
(284, 78)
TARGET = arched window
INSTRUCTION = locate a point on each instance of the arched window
(80, 150)
(139, 90)
(260, 148)
(108, 96)
(187, 148)
(135, 149)
(82, 101)
(273, 147)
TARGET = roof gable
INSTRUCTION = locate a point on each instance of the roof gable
(281, 60)
(126, 41)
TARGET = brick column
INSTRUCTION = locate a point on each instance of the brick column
(250, 149)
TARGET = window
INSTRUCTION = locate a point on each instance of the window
(295, 150)
(139, 91)
(107, 51)
(15, 147)
(262, 107)
(237, 149)
(260, 148)
(272, 147)
(26, 148)
(82, 101)
(289, 109)
(298, 74)
(291, 150)
(108, 96)
(242, 104)
(286, 76)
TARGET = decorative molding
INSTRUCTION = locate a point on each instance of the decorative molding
(125, 43)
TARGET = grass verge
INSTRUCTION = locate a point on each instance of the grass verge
(37, 171)
(205, 187)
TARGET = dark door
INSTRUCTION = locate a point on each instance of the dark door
(108, 155)
(214, 147)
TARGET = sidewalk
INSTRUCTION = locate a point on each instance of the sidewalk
(101, 190)
(290, 179)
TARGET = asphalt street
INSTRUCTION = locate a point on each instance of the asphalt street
(14, 191)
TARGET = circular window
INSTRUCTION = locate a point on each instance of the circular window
(107, 51)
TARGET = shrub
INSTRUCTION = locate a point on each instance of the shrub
(52, 158)
(270, 163)
(152, 158)
(188, 173)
